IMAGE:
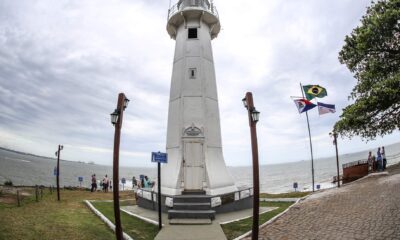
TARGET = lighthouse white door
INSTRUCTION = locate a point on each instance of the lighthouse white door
(193, 165)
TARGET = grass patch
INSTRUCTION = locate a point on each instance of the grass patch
(284, 195)
(236, 229)
(134, 227)
(69, 218)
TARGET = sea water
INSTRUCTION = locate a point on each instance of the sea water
(28, 170)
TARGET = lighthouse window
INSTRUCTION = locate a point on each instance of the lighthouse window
(192, 73)
(192, 33)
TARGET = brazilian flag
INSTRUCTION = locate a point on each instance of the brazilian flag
(313, 91)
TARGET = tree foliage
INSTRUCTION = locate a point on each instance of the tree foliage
(372, 53)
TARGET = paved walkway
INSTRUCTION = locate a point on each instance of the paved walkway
(192, 232)
(367, 209)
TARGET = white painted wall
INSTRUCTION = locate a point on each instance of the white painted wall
(194, 102)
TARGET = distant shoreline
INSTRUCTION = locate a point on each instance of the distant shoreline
(93, 163)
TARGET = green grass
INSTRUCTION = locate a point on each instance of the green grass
(284, 195)
(69, 218)
(236, 229)
(134, 227)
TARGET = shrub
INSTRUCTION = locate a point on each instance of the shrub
(8, 183)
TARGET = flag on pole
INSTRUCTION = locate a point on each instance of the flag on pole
(304, 105)
(326, 108)
(313, 91)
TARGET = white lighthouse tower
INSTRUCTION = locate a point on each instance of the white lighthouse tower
(195, 159)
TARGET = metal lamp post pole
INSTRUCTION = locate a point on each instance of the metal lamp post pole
(337, 157)
(117, 136)
(254, 148)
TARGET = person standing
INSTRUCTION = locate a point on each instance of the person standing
(384, 158)
(105, 183)
(374, 164)
(370, 162)
(94, 183)
(134, 182)
(379, 159)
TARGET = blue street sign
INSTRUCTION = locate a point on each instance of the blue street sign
(123, 180)
(159, 157)
(55, 171)
(295, 185)
(80, 179)
(318, 186)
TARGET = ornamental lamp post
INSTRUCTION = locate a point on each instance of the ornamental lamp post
(254, 116)
(116, 120)
(114, 117)
(334, 134)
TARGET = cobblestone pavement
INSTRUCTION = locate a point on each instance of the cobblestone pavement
(367, 209)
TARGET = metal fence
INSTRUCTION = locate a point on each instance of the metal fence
(355, 163)
(203, 4)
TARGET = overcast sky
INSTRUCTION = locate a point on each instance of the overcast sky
(63, 63)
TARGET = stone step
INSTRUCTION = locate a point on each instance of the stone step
(192, 206)
(193, 192)
(190, 221)
(199, 214)
(192, 199)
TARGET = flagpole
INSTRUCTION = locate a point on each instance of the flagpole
(309, 134)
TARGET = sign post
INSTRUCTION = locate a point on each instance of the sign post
(159, 158)
(80, 179)
(295, 186)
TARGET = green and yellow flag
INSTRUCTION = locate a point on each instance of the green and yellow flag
(313, 91)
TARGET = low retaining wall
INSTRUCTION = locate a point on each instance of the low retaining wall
(355, 171)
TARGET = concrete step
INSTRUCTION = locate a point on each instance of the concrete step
(199, 214)
(193, 192)
(192, 199)
(190, 221)
(192, 206)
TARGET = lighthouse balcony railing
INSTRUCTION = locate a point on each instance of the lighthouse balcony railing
(195, 4)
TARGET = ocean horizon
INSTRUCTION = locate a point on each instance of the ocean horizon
(28, 170)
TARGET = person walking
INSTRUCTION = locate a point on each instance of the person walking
(94, 183)
(379, 159)
(384, 158)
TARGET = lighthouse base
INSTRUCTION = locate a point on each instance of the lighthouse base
(197, 205)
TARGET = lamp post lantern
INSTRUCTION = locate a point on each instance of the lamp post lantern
(334, 134)
(60, 147)
(253, 119)
(116, 120)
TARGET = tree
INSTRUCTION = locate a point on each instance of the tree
(372, 53)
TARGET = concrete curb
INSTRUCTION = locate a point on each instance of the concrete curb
(140, 217)
(272, 219)
(279, 199)
(106, 220)
(235, 220)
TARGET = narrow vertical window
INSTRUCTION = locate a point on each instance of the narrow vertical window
(192, 73)
(192, 33)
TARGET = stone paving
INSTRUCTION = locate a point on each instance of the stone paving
(367, 209)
